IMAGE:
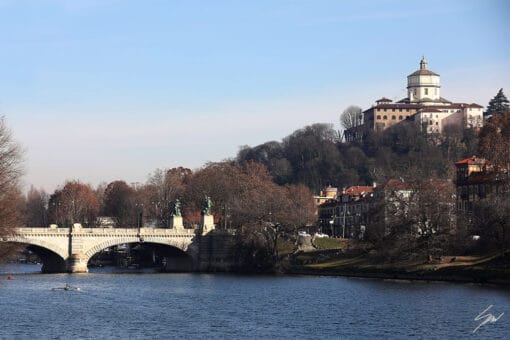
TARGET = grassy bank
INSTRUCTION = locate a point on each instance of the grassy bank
(333, 257)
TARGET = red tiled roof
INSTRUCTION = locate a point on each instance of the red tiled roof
(396, 184)
(383, 99)
(423, 72)
(470, 160)
(398, 105)
(358, 190)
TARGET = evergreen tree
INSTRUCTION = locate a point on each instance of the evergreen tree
(498, 104)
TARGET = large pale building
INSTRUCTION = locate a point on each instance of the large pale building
(423, 104)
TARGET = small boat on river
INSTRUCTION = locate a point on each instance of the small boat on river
(66, 287)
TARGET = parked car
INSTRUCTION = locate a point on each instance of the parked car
(320, 235)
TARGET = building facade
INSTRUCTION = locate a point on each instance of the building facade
(347, 216)
(423, 105)
(350, 214)
(477, 180)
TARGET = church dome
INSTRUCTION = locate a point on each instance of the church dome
(423, 85)
(423, 70)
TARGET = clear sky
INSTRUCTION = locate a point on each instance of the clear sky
(101, 90)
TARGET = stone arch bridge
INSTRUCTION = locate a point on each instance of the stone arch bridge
(70, 249)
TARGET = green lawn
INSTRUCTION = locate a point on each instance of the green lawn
(330, 243)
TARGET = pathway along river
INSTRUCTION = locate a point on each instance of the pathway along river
(152, 305)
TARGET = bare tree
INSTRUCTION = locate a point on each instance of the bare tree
(74, 203)
(36, 208)
(351, 117)
(119, 203)
(163, 188)
(10, 174)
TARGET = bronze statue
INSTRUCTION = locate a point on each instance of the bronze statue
(206, 208)
(177, 208)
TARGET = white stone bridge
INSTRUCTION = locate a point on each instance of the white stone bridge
(70, 249)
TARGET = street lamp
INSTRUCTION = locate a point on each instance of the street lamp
(56, 205)
(157, 216)
(343, 226)
(139, 215)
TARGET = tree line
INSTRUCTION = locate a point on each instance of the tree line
(242, 195)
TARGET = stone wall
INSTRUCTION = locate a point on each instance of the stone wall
(216, 251)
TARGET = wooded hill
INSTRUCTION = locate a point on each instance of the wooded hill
(316, 155)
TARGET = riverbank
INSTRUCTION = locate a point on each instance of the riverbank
(492, 269)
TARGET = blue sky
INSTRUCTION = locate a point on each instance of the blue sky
(112, 89)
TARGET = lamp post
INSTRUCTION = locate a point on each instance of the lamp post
(157, 216)
(331, 223)
(56, 205)
(139, 216)
(343, 225)
(73, 219)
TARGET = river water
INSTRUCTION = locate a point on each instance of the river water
(153, 305)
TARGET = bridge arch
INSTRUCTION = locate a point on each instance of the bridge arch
(132, 239)
(53, 257)
(63, 253)
(180, 259)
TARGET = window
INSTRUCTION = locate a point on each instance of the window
(384, 110)
(426, 91)
(378, 116)
(407, 110)
(400, 117)
(400, 109)
(393, 117)
(385, 117)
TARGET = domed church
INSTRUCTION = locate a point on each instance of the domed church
(423, 105)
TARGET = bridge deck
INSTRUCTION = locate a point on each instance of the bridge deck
(107, 231)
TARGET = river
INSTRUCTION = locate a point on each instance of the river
(153, 305)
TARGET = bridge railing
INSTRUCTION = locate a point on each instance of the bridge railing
(108, 231)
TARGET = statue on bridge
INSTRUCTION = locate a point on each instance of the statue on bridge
(177, 208)
(207, 205)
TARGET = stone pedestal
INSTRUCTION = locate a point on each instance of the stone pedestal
(176, 222)
(77, 263)
(206, 223)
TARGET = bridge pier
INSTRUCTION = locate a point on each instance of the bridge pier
(77, 263)
(49, 266)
